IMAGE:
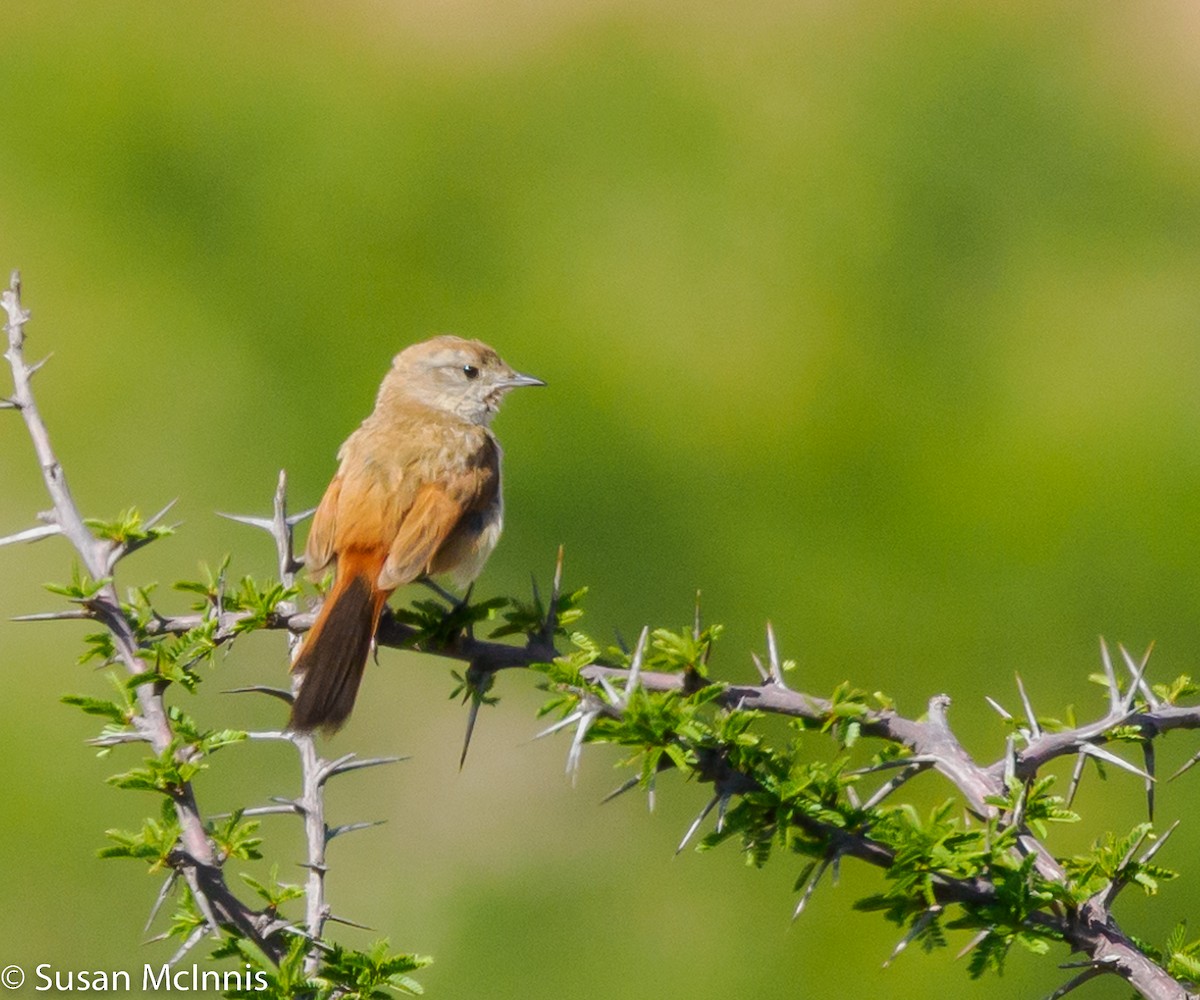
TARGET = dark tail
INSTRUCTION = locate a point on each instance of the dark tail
(335, 653)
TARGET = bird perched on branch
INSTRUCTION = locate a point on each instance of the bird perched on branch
(417, 493)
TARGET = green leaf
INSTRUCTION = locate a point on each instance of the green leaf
(98, 706)
(234, 838)
(128, 529)
(274, 893)
(153, 843)
(82, 587)
(166, 773)
(529, 617)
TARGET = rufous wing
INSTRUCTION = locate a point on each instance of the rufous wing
(433, 516)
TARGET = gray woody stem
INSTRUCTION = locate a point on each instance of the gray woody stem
(313, 770)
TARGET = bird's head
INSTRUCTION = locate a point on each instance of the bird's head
(463, 377)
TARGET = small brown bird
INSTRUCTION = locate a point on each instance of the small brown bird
(417, 492)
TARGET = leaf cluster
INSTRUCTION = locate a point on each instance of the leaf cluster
(378, 973)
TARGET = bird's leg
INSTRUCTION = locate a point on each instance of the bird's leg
(454, 602)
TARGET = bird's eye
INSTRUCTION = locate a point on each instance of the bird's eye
(470, 371)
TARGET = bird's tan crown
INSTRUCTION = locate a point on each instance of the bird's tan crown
(446, 349)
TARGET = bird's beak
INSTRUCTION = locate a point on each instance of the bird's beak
(516, 380)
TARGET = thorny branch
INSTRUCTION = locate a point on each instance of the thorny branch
(932, 738)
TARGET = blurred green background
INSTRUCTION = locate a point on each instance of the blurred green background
(879, 321)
